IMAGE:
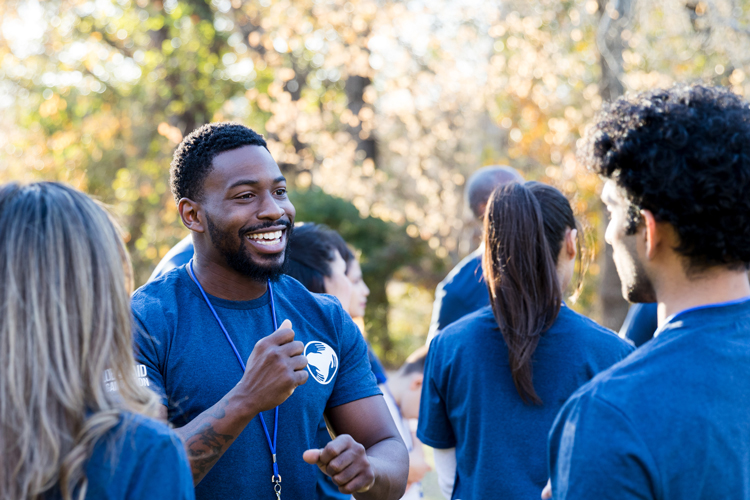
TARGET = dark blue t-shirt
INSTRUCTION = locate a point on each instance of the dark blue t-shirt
(671, 421)
(190, 362)
(469, 400)
(139, 459)
(640, 324)
(178, 255)
(462, 292)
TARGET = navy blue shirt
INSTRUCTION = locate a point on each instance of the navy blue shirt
(462, 292)
(671, 421)
(178, 255)
(640, 323)
(139, 459)
(190, 362)
(469, 400)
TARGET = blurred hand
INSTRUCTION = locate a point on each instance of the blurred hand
(346, 462)
(417, 469)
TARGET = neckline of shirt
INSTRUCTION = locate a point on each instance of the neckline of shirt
(671, 320)
(261, 301)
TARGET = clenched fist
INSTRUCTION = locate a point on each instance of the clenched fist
(275, 368)
(346, 462)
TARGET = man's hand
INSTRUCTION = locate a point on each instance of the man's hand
(346, 462)
(275, 368)
(547, 491)
(417, 470)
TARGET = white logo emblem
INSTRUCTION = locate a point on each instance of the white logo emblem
(322, 362)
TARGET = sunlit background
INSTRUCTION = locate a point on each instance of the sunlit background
(376, 110)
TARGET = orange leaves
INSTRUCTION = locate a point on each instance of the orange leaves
(172, 133)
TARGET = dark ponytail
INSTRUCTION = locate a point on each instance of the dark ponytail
(524, 229)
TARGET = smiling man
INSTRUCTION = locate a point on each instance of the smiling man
(671, 421)
(247, 361)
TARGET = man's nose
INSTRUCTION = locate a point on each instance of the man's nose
(270, 209)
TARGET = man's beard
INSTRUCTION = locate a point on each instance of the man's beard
(636, 286)
(240, 259)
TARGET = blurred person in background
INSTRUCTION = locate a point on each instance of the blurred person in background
(495, 379)
(671, 421)
(464, 291)
(640, 324)
(402, 392)
(74, 407)
(320, 259)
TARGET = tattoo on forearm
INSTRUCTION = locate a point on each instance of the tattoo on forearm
(204, 448)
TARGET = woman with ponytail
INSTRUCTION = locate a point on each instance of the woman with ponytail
(495, 380)
(73, 406)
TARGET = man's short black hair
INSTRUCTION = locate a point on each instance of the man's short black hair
(415, 362)
(193, 158)
(684, 155)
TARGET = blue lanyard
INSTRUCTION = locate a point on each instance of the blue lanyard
(276, 478)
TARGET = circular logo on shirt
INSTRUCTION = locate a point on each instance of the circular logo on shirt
(322, 362)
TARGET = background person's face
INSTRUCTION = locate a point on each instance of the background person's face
(337, 284)
(360, 290)
(248, 214)
(636, 286)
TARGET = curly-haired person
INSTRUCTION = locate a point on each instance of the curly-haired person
(673, 419)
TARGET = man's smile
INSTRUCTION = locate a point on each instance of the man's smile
(268, 240)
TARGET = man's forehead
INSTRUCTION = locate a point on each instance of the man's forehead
(247, 162)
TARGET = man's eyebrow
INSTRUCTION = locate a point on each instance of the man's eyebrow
(253, 182)
(244, 182)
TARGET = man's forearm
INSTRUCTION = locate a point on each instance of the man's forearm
(391, 465)
(210, 434)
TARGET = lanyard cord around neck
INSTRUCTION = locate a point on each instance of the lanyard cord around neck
(272, 445)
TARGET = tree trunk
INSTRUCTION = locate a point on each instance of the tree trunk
(614, 16)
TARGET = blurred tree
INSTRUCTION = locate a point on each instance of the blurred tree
(387, 104)
(385, 249)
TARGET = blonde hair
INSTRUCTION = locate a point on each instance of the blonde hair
(65, 295)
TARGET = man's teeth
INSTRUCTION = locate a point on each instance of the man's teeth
(269, 238)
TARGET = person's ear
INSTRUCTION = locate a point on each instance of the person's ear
(571, 236)
(651, 233)
(416, 382)
(191, 215)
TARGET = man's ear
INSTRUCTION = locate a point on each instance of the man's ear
(652, 233)
(191, 215)
(416, 382)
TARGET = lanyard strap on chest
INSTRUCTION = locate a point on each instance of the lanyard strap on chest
(271, 444)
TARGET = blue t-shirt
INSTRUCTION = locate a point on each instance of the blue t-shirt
(462, 292)
(469, 400)
(640, 323)
(190, 362)
(139, 459)
(178, 255)
(671, 421)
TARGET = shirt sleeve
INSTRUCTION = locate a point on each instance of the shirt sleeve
(595, 452)
(148, 359)
(162, 468)
(434, 427)
(355, 379)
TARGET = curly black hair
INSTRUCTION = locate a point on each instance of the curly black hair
(193, 158)
(683, 154)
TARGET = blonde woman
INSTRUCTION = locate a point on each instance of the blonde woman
(71, 400)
